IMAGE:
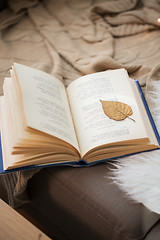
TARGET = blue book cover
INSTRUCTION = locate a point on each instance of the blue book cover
(82, 162)
(148, 112)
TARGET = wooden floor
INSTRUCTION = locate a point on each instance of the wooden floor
(14, 226)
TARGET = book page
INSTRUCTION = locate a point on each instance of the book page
(93, 127)
(45, 103)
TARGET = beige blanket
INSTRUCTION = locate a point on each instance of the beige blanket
(70, 38)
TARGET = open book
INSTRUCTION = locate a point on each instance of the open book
(97, 117)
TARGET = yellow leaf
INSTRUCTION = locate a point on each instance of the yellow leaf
(116, 110)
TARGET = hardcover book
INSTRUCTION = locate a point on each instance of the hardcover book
(97, 117)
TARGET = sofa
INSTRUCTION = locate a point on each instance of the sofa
(85, 203)
(69, 203)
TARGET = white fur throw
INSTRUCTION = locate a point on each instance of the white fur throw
(139, 175)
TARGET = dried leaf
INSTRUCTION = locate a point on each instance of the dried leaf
(116, 110)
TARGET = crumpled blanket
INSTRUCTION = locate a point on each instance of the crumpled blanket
(69, 38)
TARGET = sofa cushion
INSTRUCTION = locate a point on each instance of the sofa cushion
(155, 233)
(84, 203)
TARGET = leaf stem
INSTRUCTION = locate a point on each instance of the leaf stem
(132, 119)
